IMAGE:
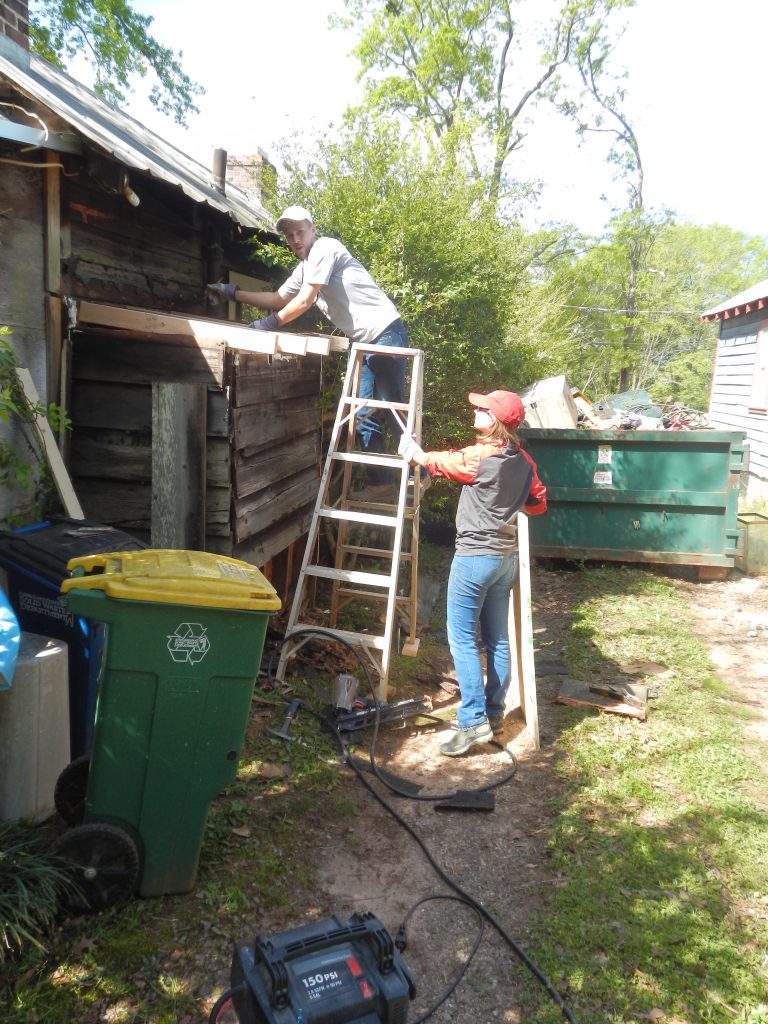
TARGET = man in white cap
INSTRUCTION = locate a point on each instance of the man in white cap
(329, 277)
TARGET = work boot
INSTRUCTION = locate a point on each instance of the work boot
(463, 739)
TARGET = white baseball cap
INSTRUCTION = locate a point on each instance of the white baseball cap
(294, 213)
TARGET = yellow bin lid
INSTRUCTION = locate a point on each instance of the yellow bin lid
(174, 577)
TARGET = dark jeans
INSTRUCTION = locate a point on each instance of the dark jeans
(382, 378)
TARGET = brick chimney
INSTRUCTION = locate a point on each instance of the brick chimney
(14, 31)
(253, 174)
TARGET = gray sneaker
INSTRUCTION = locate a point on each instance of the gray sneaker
(463, 739)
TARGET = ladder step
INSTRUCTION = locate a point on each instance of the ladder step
(370, 579)
(370, 596)
(373, 403)
(359, 517)
(405, 556)
(367, 460)
(359, 639)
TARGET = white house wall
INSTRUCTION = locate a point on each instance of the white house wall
(731, 393)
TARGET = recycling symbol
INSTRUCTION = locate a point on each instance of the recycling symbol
(189, 642)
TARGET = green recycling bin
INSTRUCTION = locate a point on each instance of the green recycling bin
(185, 636)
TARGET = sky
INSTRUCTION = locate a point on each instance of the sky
(696, 98)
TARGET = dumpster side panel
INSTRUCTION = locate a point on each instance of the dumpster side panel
(645, 496)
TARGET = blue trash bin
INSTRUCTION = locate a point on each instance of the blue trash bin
(35, 562)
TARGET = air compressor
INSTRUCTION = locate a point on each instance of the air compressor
(328, 972)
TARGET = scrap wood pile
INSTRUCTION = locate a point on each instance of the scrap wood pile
(552, 404)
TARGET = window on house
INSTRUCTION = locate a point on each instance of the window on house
(758, 399)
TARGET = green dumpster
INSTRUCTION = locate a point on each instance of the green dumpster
(658, 496)
(185, 635)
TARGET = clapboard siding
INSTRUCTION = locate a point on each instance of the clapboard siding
(732, 390)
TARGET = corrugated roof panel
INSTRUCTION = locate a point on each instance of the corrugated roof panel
(129, 141)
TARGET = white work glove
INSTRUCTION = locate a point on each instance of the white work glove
(409, 448)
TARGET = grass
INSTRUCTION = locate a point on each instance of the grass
(660, 858)
(138, 960)
(659, 911)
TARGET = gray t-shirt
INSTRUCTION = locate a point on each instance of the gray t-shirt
(348, 295)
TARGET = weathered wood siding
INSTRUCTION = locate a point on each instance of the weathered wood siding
(262, 434)
(730, 399)
(22, 309)
(111, 440)
(275, 452)
(152, 256)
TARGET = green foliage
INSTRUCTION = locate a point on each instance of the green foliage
(118, 44)
(31, 882)
(684, 269)
(22, 470)
(472, 69)
(460, 279)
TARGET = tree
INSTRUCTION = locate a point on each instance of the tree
(464, 68)
(118, 43)
(428, 234)
(637, 229)
(683, 270)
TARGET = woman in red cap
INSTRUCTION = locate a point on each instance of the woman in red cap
(499, 480)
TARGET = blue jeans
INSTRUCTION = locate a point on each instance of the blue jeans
(382, 378)
(478, 592)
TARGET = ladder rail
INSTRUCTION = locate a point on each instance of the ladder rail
(344, 514)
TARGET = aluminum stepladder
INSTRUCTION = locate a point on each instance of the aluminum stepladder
(345, 519)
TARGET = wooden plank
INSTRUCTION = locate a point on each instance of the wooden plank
(113, 455)
(126, 505)
(119, 359)
(258, 426)
(150, 322)
(53, 346)
(520, 627)
(53, 227)
(218, 463)
(269, 543)
(61, 479)
(269, 506)
(116, 406)
(254, 472)
(274, 381)
(178, 465)
(578, 694)
(127, 455)
(129, 407)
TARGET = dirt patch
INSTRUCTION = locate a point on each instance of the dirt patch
(500, 858)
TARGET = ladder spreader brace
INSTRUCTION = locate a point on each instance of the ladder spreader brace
(357, 566)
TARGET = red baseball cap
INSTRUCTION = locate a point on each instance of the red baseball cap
(506, 406)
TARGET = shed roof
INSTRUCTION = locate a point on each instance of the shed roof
(128, 140)
(751, 300)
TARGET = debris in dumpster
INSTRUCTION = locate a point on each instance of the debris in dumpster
(549, 404)
(552, 404)
(577, 694)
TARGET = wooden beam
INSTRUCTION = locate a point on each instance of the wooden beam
(58, 470)
(236, 336)
(178, 466)
(521, 636)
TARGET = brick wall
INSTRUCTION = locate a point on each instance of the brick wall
(14, 22)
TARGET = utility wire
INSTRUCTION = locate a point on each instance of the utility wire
(650, 312)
